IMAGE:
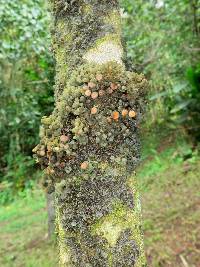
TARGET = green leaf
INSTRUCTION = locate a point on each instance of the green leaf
(179, 87)
(158, 95)
(180, 106)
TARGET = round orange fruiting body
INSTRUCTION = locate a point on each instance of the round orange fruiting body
(91, 85)
(132, 114)
(124, 112)
(84, 165)
(93, 110)
(113, 86)
(99, 77)
(94, 95)
(88, 92)
(64, 138)
(115, 115)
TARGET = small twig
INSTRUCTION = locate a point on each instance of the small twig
(185, 264)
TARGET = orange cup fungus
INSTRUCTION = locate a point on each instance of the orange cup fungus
(132, 114)
(113, 86)
(93, 110)
(64, 138)
(124, 112)
(88, 92)
(84, 165)
(99, 77)
(94, 95)
(91, 85)
(115, 115)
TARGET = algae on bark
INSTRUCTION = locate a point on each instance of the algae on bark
(89, 146)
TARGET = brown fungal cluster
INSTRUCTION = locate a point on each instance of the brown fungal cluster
(94, 121)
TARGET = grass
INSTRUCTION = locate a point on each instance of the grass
(169, 180)
(23, 230)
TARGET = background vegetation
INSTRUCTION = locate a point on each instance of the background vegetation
(162, 40)
(26, 75)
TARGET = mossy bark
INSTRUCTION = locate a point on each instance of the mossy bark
(89, 145)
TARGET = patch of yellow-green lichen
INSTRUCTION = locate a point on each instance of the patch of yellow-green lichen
(106, 49)
(113, 224)
(121, 218)
(87, 8)
(61, 57)
(132, 183)
(64, 250)
(71, 20)
(114, 19)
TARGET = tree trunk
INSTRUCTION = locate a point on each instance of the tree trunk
(89, 145)
(195, 6)
(51, 214)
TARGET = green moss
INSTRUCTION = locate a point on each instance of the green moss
(64, 250)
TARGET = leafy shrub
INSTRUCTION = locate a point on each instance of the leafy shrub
(183, 103)
(162, 41)
(186, 103)
(26, 81)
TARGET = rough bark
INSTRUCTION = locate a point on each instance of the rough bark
(51, 214)
(89, 145)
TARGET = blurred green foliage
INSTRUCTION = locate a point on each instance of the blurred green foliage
(26, 79)
(162, 39)
(185, 104)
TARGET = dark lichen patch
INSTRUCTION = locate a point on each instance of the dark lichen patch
(83, 204)
(126, 251)
(95, 121)
(88, 250)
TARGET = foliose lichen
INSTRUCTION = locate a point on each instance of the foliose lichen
(95, 122)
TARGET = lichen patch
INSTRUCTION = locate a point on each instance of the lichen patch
(103, 53)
